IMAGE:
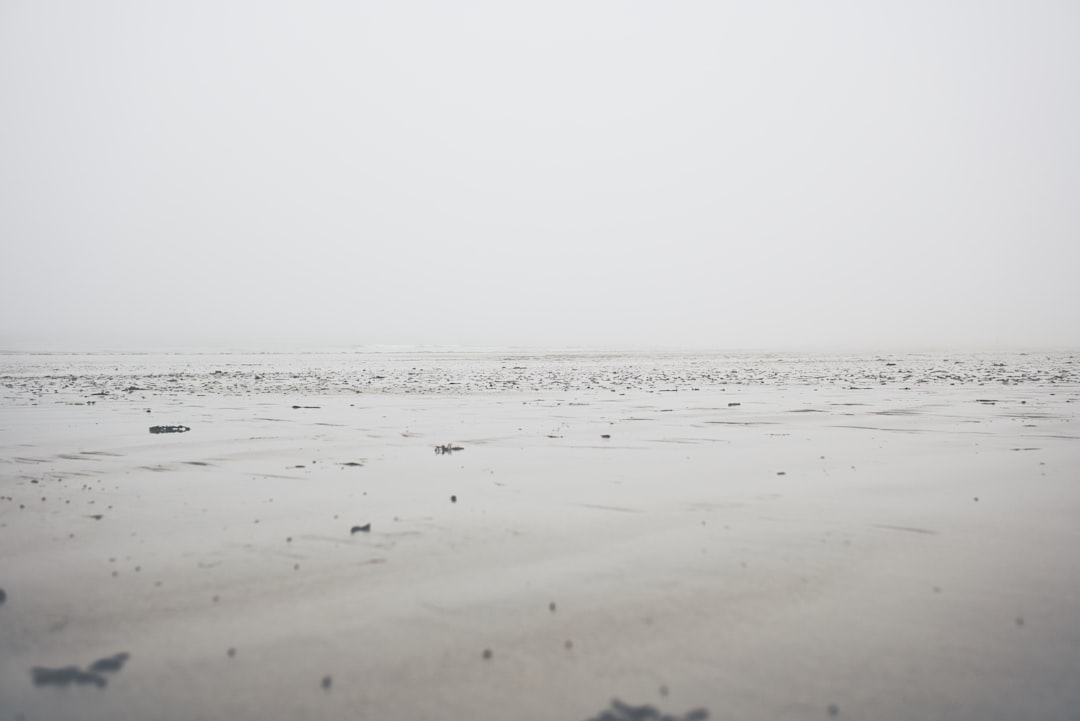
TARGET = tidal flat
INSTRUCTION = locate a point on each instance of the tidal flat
(434, 534)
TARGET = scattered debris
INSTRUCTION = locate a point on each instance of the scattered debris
(447, 449)
(366, 528)
(169, 429)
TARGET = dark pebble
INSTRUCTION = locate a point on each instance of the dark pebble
(833, 709)
(66, 676)
(453, 499)
(487, 653)
(327, 682)
(3, 596)
(110, 663)
(366, 528)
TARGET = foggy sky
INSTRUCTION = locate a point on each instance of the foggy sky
(754, 174)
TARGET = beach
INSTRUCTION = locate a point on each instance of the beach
(539, 535)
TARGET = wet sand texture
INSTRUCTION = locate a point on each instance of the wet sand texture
(596, 536)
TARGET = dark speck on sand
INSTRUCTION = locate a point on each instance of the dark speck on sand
(620, 711)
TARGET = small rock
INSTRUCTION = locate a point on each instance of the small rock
(327, 681)
(487, 653)
(3, 596)
(169, 429)
(65, 677)
(366, 528)
(110, 664)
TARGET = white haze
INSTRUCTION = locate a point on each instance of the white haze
(651, 174)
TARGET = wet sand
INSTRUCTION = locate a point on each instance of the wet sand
(753, 536)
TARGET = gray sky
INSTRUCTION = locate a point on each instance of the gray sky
(699, 174)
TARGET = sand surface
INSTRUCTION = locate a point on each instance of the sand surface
(760, 537)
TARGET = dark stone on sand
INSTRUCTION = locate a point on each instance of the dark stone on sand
(487, 653)
(833, 709)
(96, 516)
(169, 429)
(66, 676)
(605, 435)
(620, 711)
(110, 664)
(732, 405)
(366, 528)
(352, 464)
(453, 499)
(3, 596)
(327, 681)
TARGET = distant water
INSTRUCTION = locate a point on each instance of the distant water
(442, 371)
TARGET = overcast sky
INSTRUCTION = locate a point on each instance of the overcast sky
(752, 174)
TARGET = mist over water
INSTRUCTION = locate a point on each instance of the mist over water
(764, 175)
